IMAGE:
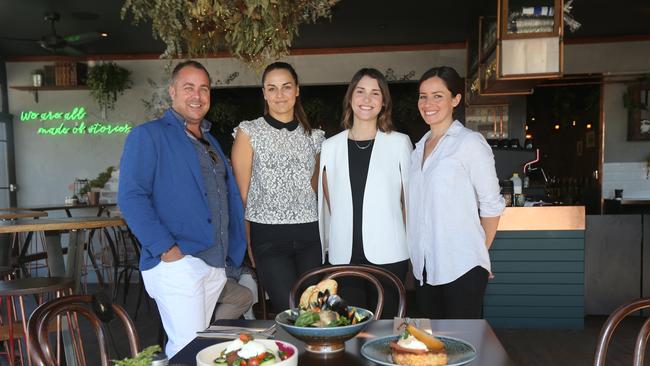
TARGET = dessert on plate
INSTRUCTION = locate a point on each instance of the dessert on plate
(415, 347)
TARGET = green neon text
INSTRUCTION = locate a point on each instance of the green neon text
(96, 128)
(76, 114)
(60, 123)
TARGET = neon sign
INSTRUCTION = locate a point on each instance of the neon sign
(63, 119)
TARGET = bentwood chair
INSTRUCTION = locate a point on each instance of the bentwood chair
(16, 295)
(95, 309)
(368, 272)
(610, 325)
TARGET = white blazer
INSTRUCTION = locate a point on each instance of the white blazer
(384, 233)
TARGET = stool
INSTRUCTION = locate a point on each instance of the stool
(19, 288)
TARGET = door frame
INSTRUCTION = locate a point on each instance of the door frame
(7, 118)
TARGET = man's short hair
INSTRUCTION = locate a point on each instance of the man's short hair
(189, 63)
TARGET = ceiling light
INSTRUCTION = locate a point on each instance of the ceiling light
(103, 34)
(588, 125)
(557, 127)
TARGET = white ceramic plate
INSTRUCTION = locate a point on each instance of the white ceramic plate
(207, 355)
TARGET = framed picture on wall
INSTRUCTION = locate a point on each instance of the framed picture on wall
(590, 139)
(579, 145)
(636, 101)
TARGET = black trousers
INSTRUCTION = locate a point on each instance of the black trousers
(460, 299)
(280, 263)
(360, 292)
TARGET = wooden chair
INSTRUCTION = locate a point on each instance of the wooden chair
(69, 306)
(610, 325)
(14, 327)
(353, 270)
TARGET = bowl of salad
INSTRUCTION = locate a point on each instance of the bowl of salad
(323, 320)
(246, 351)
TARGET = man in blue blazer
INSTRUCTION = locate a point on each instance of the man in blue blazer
(178, 195)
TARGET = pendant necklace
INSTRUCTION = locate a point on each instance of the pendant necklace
(357, 144)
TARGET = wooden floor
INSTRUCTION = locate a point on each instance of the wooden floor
(528, 347)
(532, 347)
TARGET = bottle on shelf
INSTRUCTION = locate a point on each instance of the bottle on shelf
(516, 183)
(517, 190)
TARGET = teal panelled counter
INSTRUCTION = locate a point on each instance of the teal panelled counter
(538, 266)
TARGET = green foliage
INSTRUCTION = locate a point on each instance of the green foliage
(317, 111)
(255, 31)
(98, 182)
(143, 358)
(106, 82)
(224, 115)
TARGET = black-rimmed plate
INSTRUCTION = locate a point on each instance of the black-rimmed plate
(458, 351)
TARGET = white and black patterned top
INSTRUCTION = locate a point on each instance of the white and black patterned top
(280, 190)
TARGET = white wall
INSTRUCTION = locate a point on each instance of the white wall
(47, 165)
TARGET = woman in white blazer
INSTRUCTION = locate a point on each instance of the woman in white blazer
(362, 190)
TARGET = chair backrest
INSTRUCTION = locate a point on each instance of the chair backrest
(610, 325)
(69, 307)
(356, 270)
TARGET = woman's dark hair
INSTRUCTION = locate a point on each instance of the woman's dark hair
(384, 121)
(298, 112)
(448, 75)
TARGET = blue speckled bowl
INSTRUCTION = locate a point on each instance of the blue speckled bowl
(324, 340)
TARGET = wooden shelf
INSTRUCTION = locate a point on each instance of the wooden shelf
(50, 87)
(36, 89)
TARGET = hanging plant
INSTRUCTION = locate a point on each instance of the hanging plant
(106, 82)
(255, 31)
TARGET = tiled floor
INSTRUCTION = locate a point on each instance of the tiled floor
(527, 347)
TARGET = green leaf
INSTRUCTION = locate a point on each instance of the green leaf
(143, 358)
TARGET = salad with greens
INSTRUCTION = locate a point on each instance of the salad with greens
(245, 351)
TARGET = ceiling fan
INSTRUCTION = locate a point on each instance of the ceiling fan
(59, 44)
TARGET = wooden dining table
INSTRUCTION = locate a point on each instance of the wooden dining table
(76, 226)
(477, 332)
(101, 207)
(15, 214)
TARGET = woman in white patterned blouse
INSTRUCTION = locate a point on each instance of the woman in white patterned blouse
(275, 160)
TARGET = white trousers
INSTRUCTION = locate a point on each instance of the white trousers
(186, 292)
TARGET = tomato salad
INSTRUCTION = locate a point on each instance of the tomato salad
(245, 351)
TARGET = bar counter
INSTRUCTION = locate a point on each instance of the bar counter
(538, 262)
(543, 218)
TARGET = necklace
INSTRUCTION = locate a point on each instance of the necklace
(357, 144)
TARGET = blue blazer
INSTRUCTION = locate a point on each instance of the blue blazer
(162, 193)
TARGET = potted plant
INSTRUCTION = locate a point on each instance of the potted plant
(143, 358)
(106, 82)
(91, 189)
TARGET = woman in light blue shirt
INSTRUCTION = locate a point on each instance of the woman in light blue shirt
(454, 205)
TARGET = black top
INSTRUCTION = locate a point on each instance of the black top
(280, 125)
(264, 233)
(359, 153)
